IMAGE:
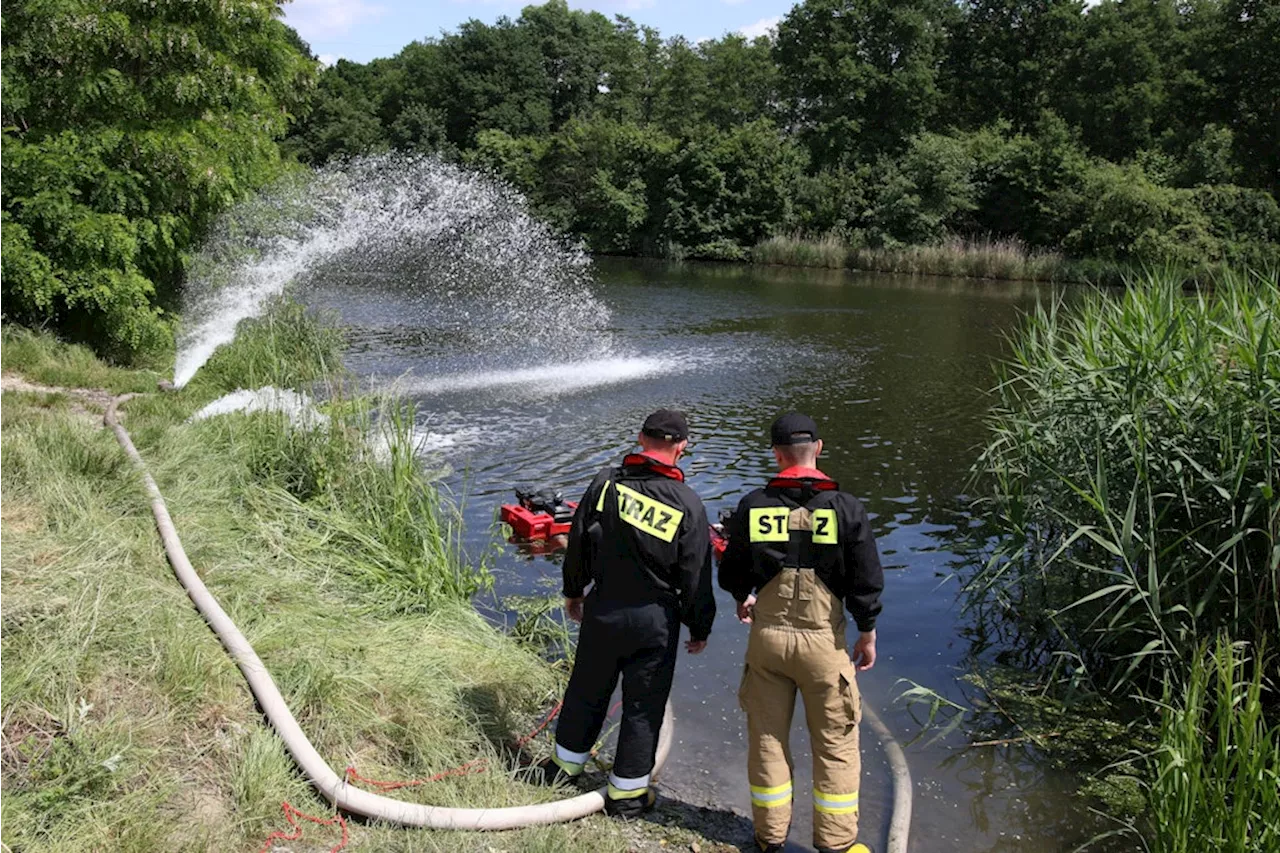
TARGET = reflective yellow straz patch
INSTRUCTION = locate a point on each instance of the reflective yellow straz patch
(648, 515)
(824, 527)
(768, 524)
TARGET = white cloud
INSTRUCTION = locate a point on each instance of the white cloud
(317, 20)
(762, 27)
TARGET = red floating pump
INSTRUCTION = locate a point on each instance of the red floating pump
(539, 514)
(542, 515)
(718, 541)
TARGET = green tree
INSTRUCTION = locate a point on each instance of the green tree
(682, 91)
(126, 129)
(1005, 59)
(342, 118)
(576, 49)
(599, 178)
(491, 77)
(742, 78)
(1118, 86)
(861, 76)
(1249, 100)
(925, 193)
(725, 190)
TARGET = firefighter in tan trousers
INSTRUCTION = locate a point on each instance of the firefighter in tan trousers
(799, 551)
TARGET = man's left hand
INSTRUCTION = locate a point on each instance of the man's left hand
(695, 647)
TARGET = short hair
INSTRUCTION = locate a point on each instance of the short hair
(798, 454)
(656, 442)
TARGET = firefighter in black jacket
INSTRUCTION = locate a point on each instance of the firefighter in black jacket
(640, 540)
(799, 551)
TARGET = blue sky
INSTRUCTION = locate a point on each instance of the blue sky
(361, 30)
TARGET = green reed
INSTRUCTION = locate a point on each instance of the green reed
(1130, 480)
(1212, 782)
(356, 480)
(827, 252)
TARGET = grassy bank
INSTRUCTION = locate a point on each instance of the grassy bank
(125, 725)
(1131, 492)
(1008, 260)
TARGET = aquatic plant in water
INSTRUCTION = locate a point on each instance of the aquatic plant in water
(1132, 480)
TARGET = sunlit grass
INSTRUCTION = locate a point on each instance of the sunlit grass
(1132, 479)
(126, 725)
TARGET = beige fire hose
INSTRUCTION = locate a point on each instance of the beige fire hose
(330, 785)
(900, 822)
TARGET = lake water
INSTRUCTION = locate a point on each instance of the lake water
(894, 370)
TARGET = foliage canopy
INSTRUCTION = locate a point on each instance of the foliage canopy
(126, 129)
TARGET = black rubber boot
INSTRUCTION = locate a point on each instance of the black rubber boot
(631, 807)
(856, 847)
(770, 848)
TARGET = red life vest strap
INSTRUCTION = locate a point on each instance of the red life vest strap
(639, 459)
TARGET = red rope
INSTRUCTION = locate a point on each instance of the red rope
(476, 765)
(292, 815)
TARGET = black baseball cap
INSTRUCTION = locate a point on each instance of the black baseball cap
(667, 424)
(793, 428)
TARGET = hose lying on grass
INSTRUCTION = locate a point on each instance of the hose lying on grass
(334, 787)
(330, 785)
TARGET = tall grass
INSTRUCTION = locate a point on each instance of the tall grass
(828, 251)
(1132, 480)
(1007, 259)
(1213, 780)
(125, 725)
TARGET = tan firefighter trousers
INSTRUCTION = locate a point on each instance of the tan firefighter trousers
(798, 642)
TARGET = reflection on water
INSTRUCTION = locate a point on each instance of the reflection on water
(894, 371)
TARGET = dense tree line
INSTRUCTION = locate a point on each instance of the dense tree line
(1133, 130)
(127, 127)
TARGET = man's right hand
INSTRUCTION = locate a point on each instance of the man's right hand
(746, 609)
(864, 651)
(573, 607)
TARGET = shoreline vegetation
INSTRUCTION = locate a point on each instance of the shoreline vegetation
(126, 725)
(974, 138)
(1130, 555)
(1000, 259)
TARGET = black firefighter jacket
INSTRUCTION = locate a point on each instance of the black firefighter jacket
(641, 535)
(835, 540)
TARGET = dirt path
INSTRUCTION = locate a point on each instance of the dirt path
(87, 404)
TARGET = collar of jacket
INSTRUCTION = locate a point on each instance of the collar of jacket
(635, 460)
(799, 477)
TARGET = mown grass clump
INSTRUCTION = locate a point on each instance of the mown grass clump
(126, 727)
(287, 346)
(1132, 479)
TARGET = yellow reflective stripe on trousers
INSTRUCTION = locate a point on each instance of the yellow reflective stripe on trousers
(626, 789)
(767, 798)
(568, 761)
(835, 803)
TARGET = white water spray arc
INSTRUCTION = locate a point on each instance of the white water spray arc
(466, 243)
